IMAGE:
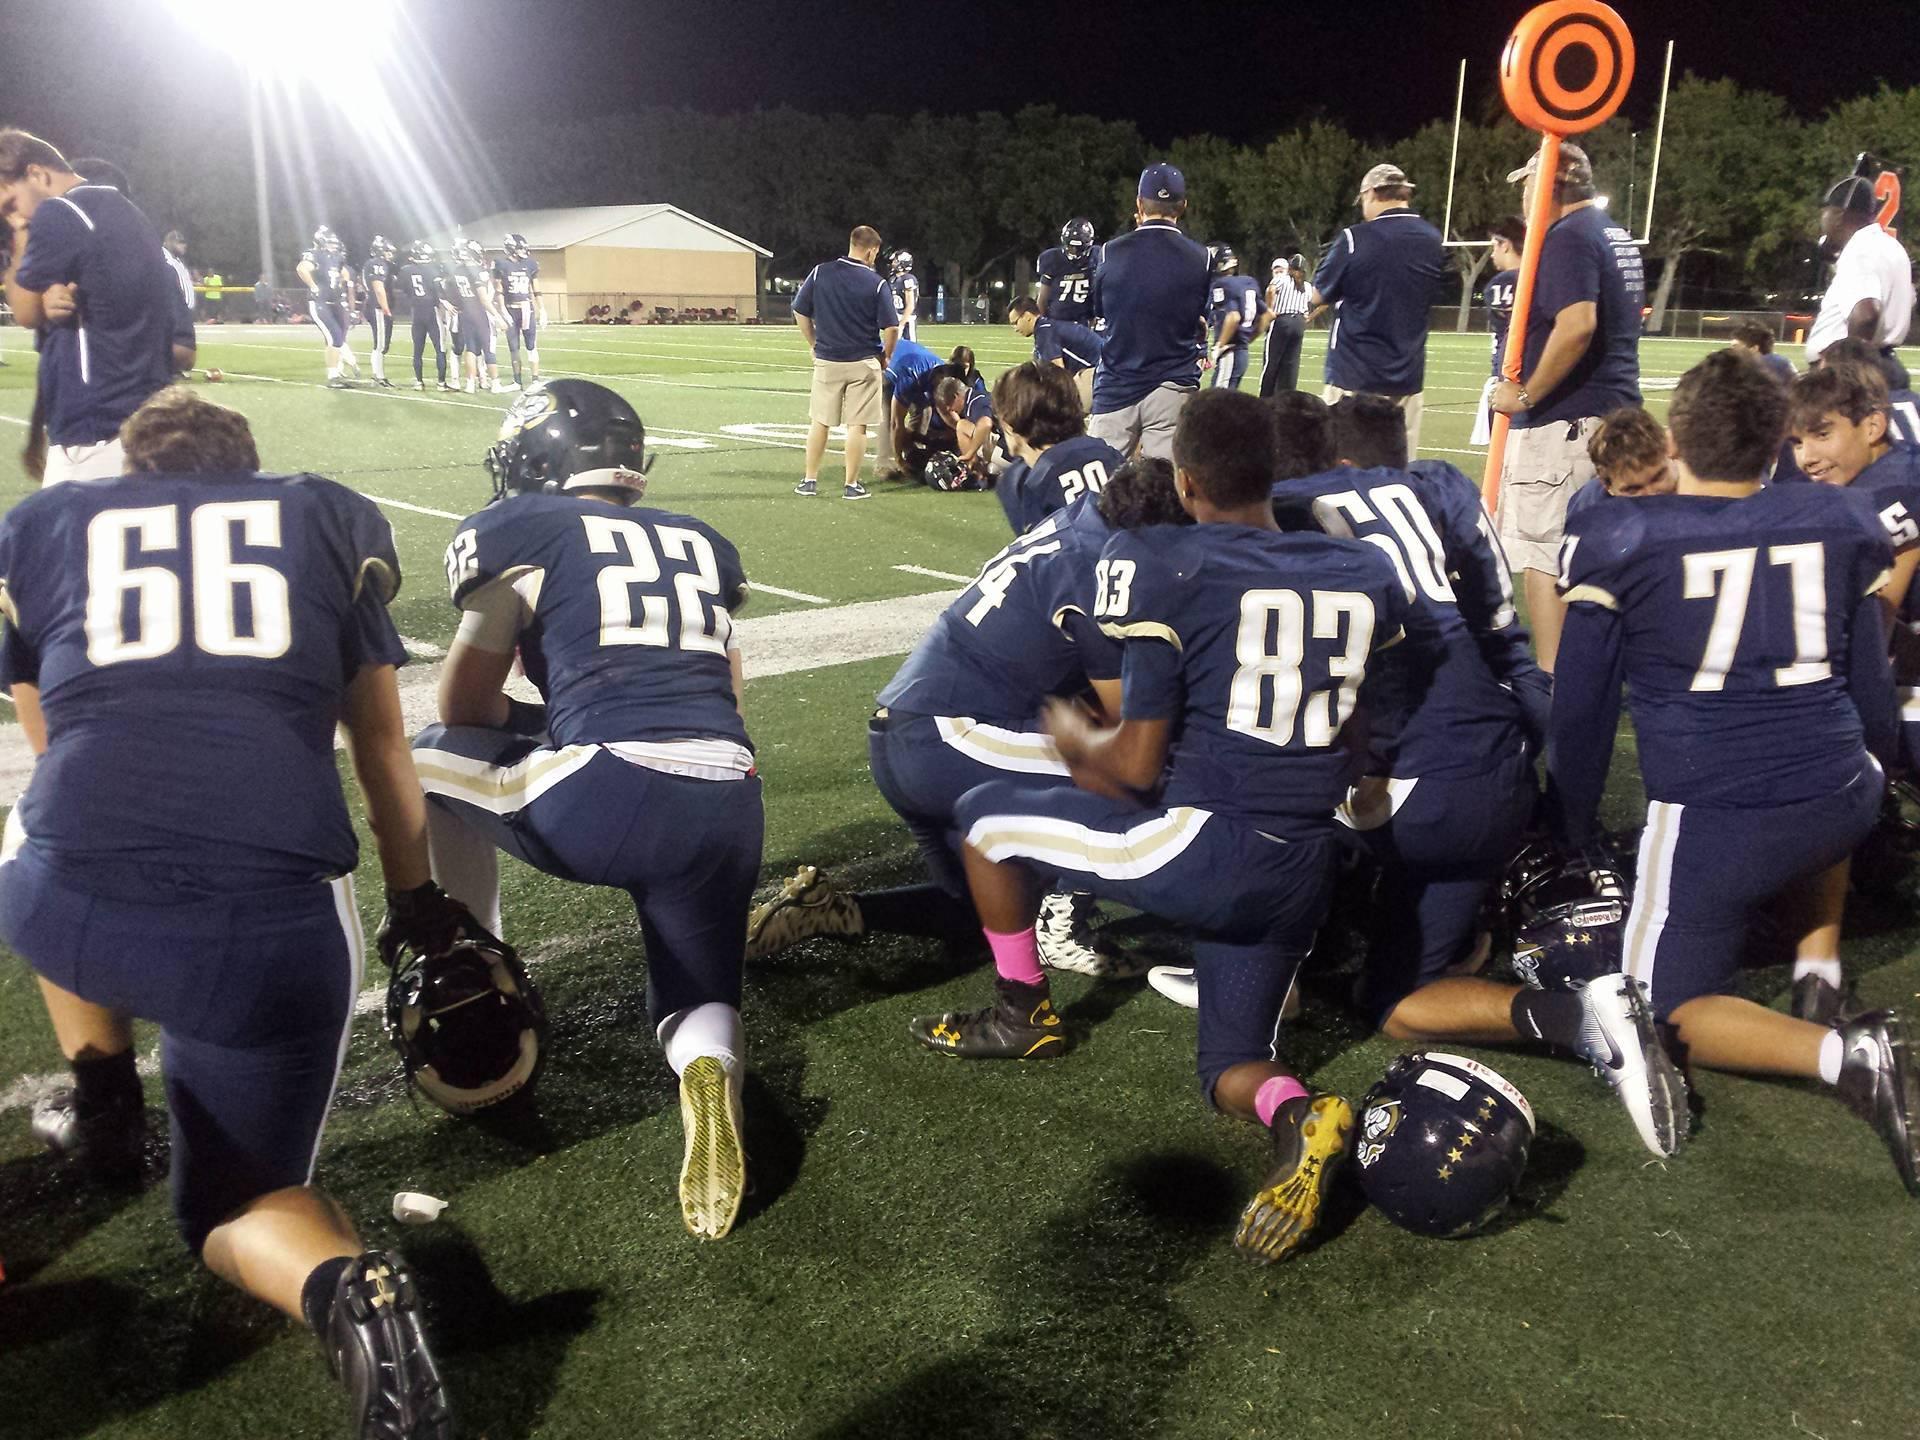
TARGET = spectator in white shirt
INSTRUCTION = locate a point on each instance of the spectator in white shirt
(1871, 297)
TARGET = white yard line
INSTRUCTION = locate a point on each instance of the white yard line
(764, 588)
(415, 509)
(936, 574)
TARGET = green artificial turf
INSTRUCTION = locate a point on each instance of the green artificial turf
(934, 1248)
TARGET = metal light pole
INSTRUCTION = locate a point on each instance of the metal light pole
(261, 218)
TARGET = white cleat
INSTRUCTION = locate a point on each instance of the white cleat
(1617, 1037)
(1063, 931)
(1179, 983)
(713, 1173)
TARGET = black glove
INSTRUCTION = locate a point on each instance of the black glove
(427, 921)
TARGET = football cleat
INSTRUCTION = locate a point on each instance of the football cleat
(377, 1349)
(1064, 933)
(1021, 1024)
(444, 385)
(1814, 999)
(106, 1144)
(1310, 1135)
(855, 491)
(385, 384)
(338, 383)
(1179, 983)
(1877, 1082)
(421, 385)
(809, 488)
(807, 905)
(713, 1173)
(504, 386)
(1617, 1037)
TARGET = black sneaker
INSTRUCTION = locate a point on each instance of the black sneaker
(1877, 1082)
(107, 1143)
(1019, 1025)
(385, 384)
(1814, 999)
(1310, 1135)
(376, 1348)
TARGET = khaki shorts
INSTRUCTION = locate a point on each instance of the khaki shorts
(1146, 427)
(1544, 466)
(1083, 386)
(102, 460)
(845, 392)
(1412, 406)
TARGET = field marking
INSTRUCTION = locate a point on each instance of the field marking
(937, 574)
(765, 588)
(416, 509)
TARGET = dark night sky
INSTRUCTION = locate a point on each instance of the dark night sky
(1242, 70)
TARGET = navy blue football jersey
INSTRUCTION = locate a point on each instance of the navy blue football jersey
(1434, 705)
(192, 637)
(632, 614)
(1020, 632)
(1748, 638)
(1891, 485)
(1069, 283)
(416, 286)
(1234, 295)
(1498, 294)
(1075, 346)
(446, 283)
(475, 285)
(515, 278)
(906, 294)
(329, 275)
(1062, 474)
(1903, 417)
(370, 272)
(1255, 642)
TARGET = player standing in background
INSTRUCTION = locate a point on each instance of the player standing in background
(1066, 273)
(515, 272)
(1287, 299)
(376, 300)
(637, 771)
(474, 287)
(323, 270)
(1507, 240)
(1744, 621)
(906, 293)
(419, 286)
(1236, 313)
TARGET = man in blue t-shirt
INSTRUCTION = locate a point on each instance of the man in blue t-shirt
(846, 314)
(1581, 361)
(1151, 289)
(1381, 279)
(87, 270)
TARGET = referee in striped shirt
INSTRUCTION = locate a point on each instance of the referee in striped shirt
(1287, 299)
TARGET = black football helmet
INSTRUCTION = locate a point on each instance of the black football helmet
(1076, 237)
(1441, 1143)
(420, 253)
(516, 247)
(1222, 260)
(468, 1024)
(380, 248)
(901, 263)
(1567, 916)
(569, 435)
(947, 471)
(325, 239)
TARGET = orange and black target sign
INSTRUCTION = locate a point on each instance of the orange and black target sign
(1567, 66)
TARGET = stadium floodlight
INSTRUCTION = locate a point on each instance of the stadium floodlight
(275, 40)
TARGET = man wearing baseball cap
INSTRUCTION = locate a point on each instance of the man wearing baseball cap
(1871, 297)
(1287, 299)
(1152, 288)
(1580, 361)
(1381, 279)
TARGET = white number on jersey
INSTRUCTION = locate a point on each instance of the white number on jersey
(1906, 421)
(1112, 587)
(1073, 288)
(998, 574)
(1089, 479)
(1900, 527)
(1271, 647)
(700, 628)
(218, 583)
(1419, 557)
(1726, 578)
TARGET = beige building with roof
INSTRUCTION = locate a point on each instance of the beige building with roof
(674, 264)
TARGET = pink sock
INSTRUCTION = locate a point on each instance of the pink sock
(1273, 1094)
(1016, 956)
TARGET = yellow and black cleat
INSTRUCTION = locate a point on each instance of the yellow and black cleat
(713, 1172)
(1021, 1024)
(1310, 1134)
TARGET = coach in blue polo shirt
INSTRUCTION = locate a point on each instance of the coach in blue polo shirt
(87, 272)
(1151, 288)
(845, 311)
(1381, 278)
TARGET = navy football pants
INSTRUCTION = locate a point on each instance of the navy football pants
(1703, 870)
(426, 331)
(686, 851)
(253, 992)
(1255, 902)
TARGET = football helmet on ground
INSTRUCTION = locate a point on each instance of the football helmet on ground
(1567, 916)
(467, 1023)
(1442, 1143)
(569, 435)
(947, 471)
(1076, 237)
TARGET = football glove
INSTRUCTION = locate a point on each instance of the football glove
(425, 920)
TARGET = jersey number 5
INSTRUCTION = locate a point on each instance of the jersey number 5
(222, 587)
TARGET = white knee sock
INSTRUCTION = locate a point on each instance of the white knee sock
(1827, 970)
(465, 864)
(710, 1029)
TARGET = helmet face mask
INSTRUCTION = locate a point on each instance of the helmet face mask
(1567, 918)
(569, 435)
(468, 1025)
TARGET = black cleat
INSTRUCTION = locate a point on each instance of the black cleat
(376, 1348)
(1814, 999)
(1877, 1082)
(1310, 1134)
(1019, 1025)
(107, 1143)
(385, 384)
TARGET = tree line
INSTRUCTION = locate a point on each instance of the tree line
(1734, 219)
